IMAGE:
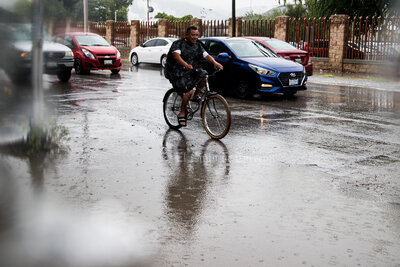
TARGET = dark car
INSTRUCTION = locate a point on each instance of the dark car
(249, 68)
(288, 51)
(57, 58)
(91, 52)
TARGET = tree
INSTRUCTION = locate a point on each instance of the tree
(326, 8)
(163, 15)
(99, 10)
(296, 11)
(102, 10)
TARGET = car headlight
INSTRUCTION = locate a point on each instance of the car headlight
(69, 54)
(25, 55)
(87, 53)
(118, 54)
(262, 71)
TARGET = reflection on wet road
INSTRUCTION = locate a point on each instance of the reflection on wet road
(310, 180)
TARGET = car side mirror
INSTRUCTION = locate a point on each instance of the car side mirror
(224, 55)
(142, 45)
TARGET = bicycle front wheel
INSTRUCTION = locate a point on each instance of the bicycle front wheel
(171, 108)
(216, 116)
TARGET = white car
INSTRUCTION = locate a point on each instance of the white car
(153, 51)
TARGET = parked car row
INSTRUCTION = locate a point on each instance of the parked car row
(82, 51)
(251, 65)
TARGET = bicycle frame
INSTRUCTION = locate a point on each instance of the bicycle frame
(205, 92)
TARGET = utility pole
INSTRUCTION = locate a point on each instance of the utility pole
(233, 19)
(148, 11)
(37, 64)
(85, 15)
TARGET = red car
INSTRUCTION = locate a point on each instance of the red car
(286, 50)
(91, 52)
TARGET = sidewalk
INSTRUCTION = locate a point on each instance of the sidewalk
(354, 80)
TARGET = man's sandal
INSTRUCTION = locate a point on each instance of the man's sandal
(182, 121)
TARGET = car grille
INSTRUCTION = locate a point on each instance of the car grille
(105, 55)
(53, 55)
(285, 77)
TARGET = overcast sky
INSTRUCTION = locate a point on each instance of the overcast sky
(220, 9)
(208, 9)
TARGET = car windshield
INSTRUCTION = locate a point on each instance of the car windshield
(91, 40)
(248, 48)
(23, 32)
(279, 45)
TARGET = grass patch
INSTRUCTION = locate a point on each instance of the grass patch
(50, 139)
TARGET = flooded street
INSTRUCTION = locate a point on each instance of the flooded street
(306, 181)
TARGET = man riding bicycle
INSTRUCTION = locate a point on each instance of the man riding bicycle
(183, 67)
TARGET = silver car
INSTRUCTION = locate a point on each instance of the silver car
(57, 58)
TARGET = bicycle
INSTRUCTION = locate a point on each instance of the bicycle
(215, 112)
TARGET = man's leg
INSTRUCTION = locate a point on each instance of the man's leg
(185, 100)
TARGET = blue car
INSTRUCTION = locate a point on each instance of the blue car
(249, 68)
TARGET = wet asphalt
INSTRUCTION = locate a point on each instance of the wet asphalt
(306, 181)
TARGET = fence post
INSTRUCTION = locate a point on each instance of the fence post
(110, 31)
(135, 31)
(337, 41)
(238, 27)
(162, 28)
(281, 28)
(199, 24)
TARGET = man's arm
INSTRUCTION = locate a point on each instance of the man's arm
(215, 63)
(180, 60)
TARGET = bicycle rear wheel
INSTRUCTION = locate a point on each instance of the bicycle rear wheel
(216, 116)
(171, 107)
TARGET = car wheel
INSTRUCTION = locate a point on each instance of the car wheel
(242, 89)
(134, 59)
(78, 67)
(115, 71)
(163, 61)
(64, 75)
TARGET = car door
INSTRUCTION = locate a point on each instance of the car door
(159, 50)
(147, 50)
(224, 78)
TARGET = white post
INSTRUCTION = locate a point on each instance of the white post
(85, 15)
(37, 64)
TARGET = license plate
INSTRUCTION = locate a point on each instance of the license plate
(108, 62)
(51, 64)
(293, 81)
(298, 60)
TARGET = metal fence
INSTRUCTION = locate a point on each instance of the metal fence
(122, 35)
(374, 38)
(311, 35)
(212, 28)
(265, 28)
(147, 30)
(98, 28)
(177, 29)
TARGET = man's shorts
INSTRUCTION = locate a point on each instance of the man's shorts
(189, 80)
